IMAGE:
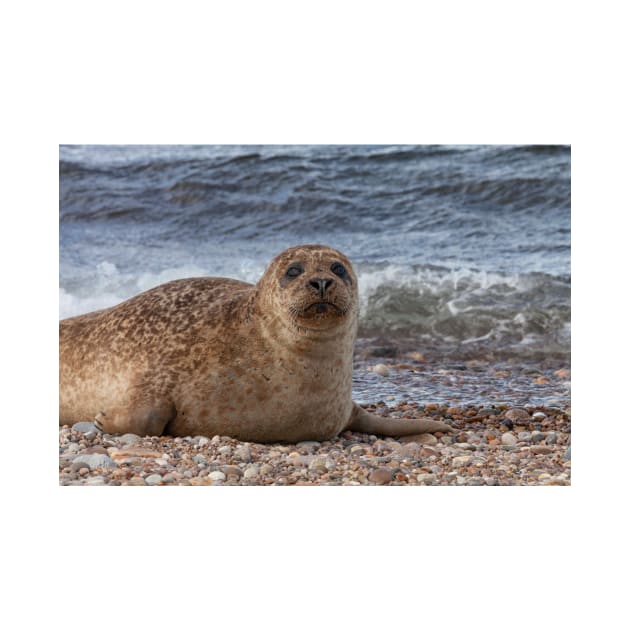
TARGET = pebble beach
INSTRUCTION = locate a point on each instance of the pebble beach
(490, 445)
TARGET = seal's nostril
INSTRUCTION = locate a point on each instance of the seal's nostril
(321, 284)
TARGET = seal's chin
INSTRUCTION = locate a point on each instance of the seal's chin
(321, 308)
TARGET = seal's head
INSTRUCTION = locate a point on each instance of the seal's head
(312, 288)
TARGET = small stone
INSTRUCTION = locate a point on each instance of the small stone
(524, 436)
(251, 472)
(426, 479)
(567, 454)
(84, 427)
(462, 460)
(199, 459)
(129, 438)
(420, 438)
(427, 451)
(235, 471)
(153, 480)
(95, 481)
(541, 450)
(410, 450)
(538, 415)
(73, 447)
(517, 414)
(266, 469)
(203, 441)
(357, 449)
(243, 453)
(225, 450)
(381, 369)
(309, 444)
(318, 465)
(135, 481)
(538, 436)
(96, 460)
(217, 475)
(552, 438)
(508, 439)
(135, 452)
(380, 476)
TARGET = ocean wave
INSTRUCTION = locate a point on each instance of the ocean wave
(432, 303)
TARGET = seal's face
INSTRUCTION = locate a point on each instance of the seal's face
(314, 286)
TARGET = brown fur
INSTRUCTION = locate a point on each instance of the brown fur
(207, 356)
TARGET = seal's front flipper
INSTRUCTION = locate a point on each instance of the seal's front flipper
(365, 422)
(139, 420)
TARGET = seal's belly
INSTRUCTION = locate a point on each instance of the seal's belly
(261, 410)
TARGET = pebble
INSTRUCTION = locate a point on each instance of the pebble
(243, 453)
(309, 444)
(427, 479)
(153, 480)
(421, 438)
(538, 415)
(381, 369)
(225, 450)
(129, 438)
(462, 460)
(380, 476)
(95, 460)
(203, 441)
(251, 472)
(95, 481)
(84, 427)
(217, 475)
(508, 439)
(541, 450)
(517, 415)
(232, 470)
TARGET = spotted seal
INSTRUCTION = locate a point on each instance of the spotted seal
(213, 356)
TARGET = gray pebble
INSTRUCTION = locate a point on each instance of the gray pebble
(95, 460)
(129, 438)
(552, 438)
(225, 450)
(153, 480)
(84, 427)
(199, 459)
(508, 439)
(217, 475)
(95, 481)
(308, 444)
(203, 441)
(250, 472)
(73, 447)
(567, 454)
(243, 453)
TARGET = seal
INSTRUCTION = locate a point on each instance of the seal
(270, 362)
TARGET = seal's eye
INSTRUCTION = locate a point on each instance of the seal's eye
(338, 269)
(294, 271)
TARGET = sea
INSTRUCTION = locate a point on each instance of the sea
(463, 253)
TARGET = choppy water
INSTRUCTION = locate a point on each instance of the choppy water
(455, 246)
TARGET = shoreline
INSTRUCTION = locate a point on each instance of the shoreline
(505, 445)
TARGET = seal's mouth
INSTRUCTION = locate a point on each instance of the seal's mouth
(323, 307)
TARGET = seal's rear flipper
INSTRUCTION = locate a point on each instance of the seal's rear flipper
(365, 422)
